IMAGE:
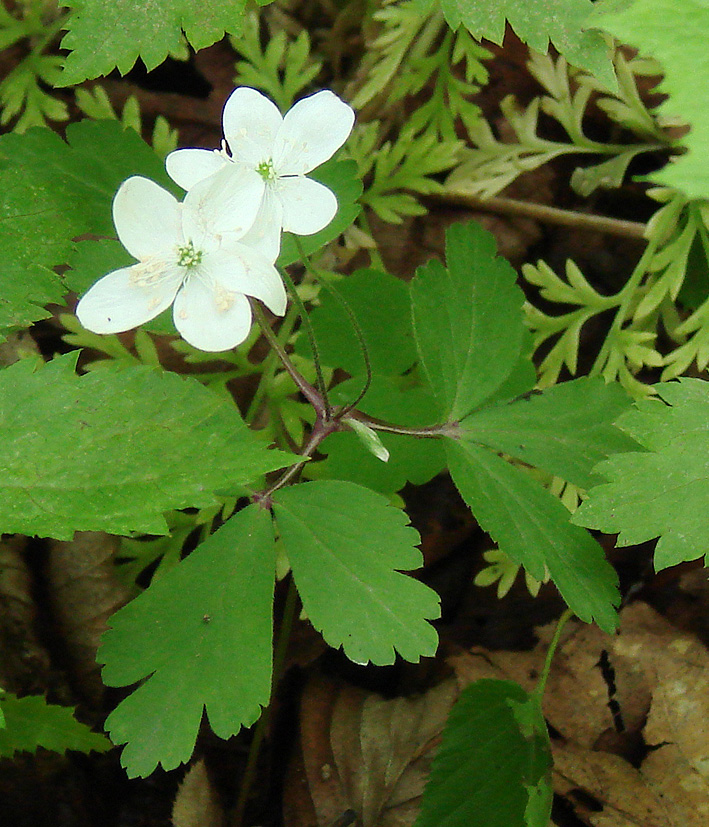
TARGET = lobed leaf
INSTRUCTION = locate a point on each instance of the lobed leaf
(114, 449)
(31, 722)
(202, 636)
(348, 548)
(662, 492)
(103, 36)
(566, 429)
(468, 321)
(493, 768)
(533, 528)
(563, 22)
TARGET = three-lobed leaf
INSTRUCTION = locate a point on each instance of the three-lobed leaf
(493, 768)
(676, 35)
(31, 722)
(52, 191)
(114, 449)
(467, 321)
(566, 429)
(347, 548)
(532, 527)
(104, 36)
(661, 492)
(202, 636)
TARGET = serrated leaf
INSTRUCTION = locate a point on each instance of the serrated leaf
(468, 321)
(563, 22)
(52, 192)
(348, 548)
(202, 636)
(341, 177)
(112, 450)
(493, 768)
(410, 460)
(103, 36)
(662, 492)
(385, 325)
(676, 35)
(566, 429)
(533, 528)
(31, 722)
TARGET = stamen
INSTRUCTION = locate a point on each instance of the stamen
(266, 171)
(224, 299)
(187, 256)
(147, 273)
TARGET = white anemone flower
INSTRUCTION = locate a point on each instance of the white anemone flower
(191, 254)
(282, 149)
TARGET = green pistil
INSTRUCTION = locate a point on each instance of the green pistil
(187, 256)
(266, 171)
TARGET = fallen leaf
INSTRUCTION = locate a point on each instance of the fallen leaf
(363, 759)
(197, 803)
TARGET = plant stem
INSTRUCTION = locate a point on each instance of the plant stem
(308, 391)
(541, 684)
(265, 719)
(322, 386)
(545, 214)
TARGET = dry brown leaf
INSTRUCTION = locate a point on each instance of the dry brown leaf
(84, 593)
(605, 790)
(197, 803)
(364, 754)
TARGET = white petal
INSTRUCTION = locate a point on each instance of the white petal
(308, 206)
(251, 122)
(244, 270)
(123, 300)
(226, 202)
(313, 130)
(209, 319)
(188, 167)
(147, 218)
(265, 234)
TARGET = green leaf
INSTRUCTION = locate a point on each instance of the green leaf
(114, 449)
(103, 36)
(566, 429)
(493, 768)
(202, 636)
(663, 492)
(52, 192)
(341, 177)
(31, 722)
(676, 35)
(410, 460)
(563, 22)
(385, 324)
(347, 547)
(468, 321)
(532, 527)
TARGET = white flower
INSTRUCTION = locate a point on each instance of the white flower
(281, 149)
(189, 253)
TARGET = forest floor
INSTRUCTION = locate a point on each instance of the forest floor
(627, 714)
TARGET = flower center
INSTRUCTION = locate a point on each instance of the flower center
(266, 171)
(187, 256)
